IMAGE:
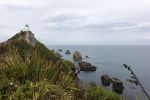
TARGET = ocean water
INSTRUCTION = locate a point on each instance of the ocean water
(109, 60)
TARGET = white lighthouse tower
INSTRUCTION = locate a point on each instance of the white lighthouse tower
(26, 28)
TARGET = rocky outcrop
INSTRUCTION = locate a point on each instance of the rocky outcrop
(28, 36)
(106, 80)
(22, 35)
(77, 56)
(67, 52)
(117, 85)
(25, 34)
(60, 50)
(85, 66)
(86, 56)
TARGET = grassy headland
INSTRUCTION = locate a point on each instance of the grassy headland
(35, 72)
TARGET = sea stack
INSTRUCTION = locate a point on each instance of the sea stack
(77, 56)
(68, 52)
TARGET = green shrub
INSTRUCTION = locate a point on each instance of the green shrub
(99, 93)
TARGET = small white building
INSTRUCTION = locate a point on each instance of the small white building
(26, 28)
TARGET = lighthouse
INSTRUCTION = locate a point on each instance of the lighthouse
(26, 28)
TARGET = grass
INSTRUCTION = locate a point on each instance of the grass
(100, 93)
(36, 73)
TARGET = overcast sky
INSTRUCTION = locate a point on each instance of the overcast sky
(99, 22)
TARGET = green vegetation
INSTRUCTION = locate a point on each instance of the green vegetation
(99, 93)
(35, 72)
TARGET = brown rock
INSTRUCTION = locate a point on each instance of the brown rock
(77, 56)
(106, 80)
(117, 84)
(85, 66)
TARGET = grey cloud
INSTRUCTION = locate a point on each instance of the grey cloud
(74, 22)
(78, 21)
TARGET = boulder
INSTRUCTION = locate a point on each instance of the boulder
(86, 56)
(82, 64)
(88, 68)
(60, 50)
(117, 84)
(67, 52)
(85, 66)
(77, 56)
(106, 80)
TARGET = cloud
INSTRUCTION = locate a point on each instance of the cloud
(73, 21)
(79, 21)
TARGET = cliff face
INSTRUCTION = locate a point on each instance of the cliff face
(27, 36)
(24, 46)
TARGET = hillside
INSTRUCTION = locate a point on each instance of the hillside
(25, 46)
(29, 70)
(23, 58)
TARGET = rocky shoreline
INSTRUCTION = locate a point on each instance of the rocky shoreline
(117, 84)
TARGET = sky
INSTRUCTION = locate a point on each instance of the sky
(78, 22)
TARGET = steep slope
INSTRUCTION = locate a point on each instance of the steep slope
(24, 59)
(24, 45)
(30, 71)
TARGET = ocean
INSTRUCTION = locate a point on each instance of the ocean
(109, 60)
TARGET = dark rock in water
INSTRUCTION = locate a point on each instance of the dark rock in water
(86, 56)
(88, 68)
(106, 80)
(82, 64)
(117, 85)
(77, 56)
(60, 50)
(85, 66)
(67, 52)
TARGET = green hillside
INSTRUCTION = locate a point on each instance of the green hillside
(29, 70)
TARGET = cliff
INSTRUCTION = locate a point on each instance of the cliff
(24, 46)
